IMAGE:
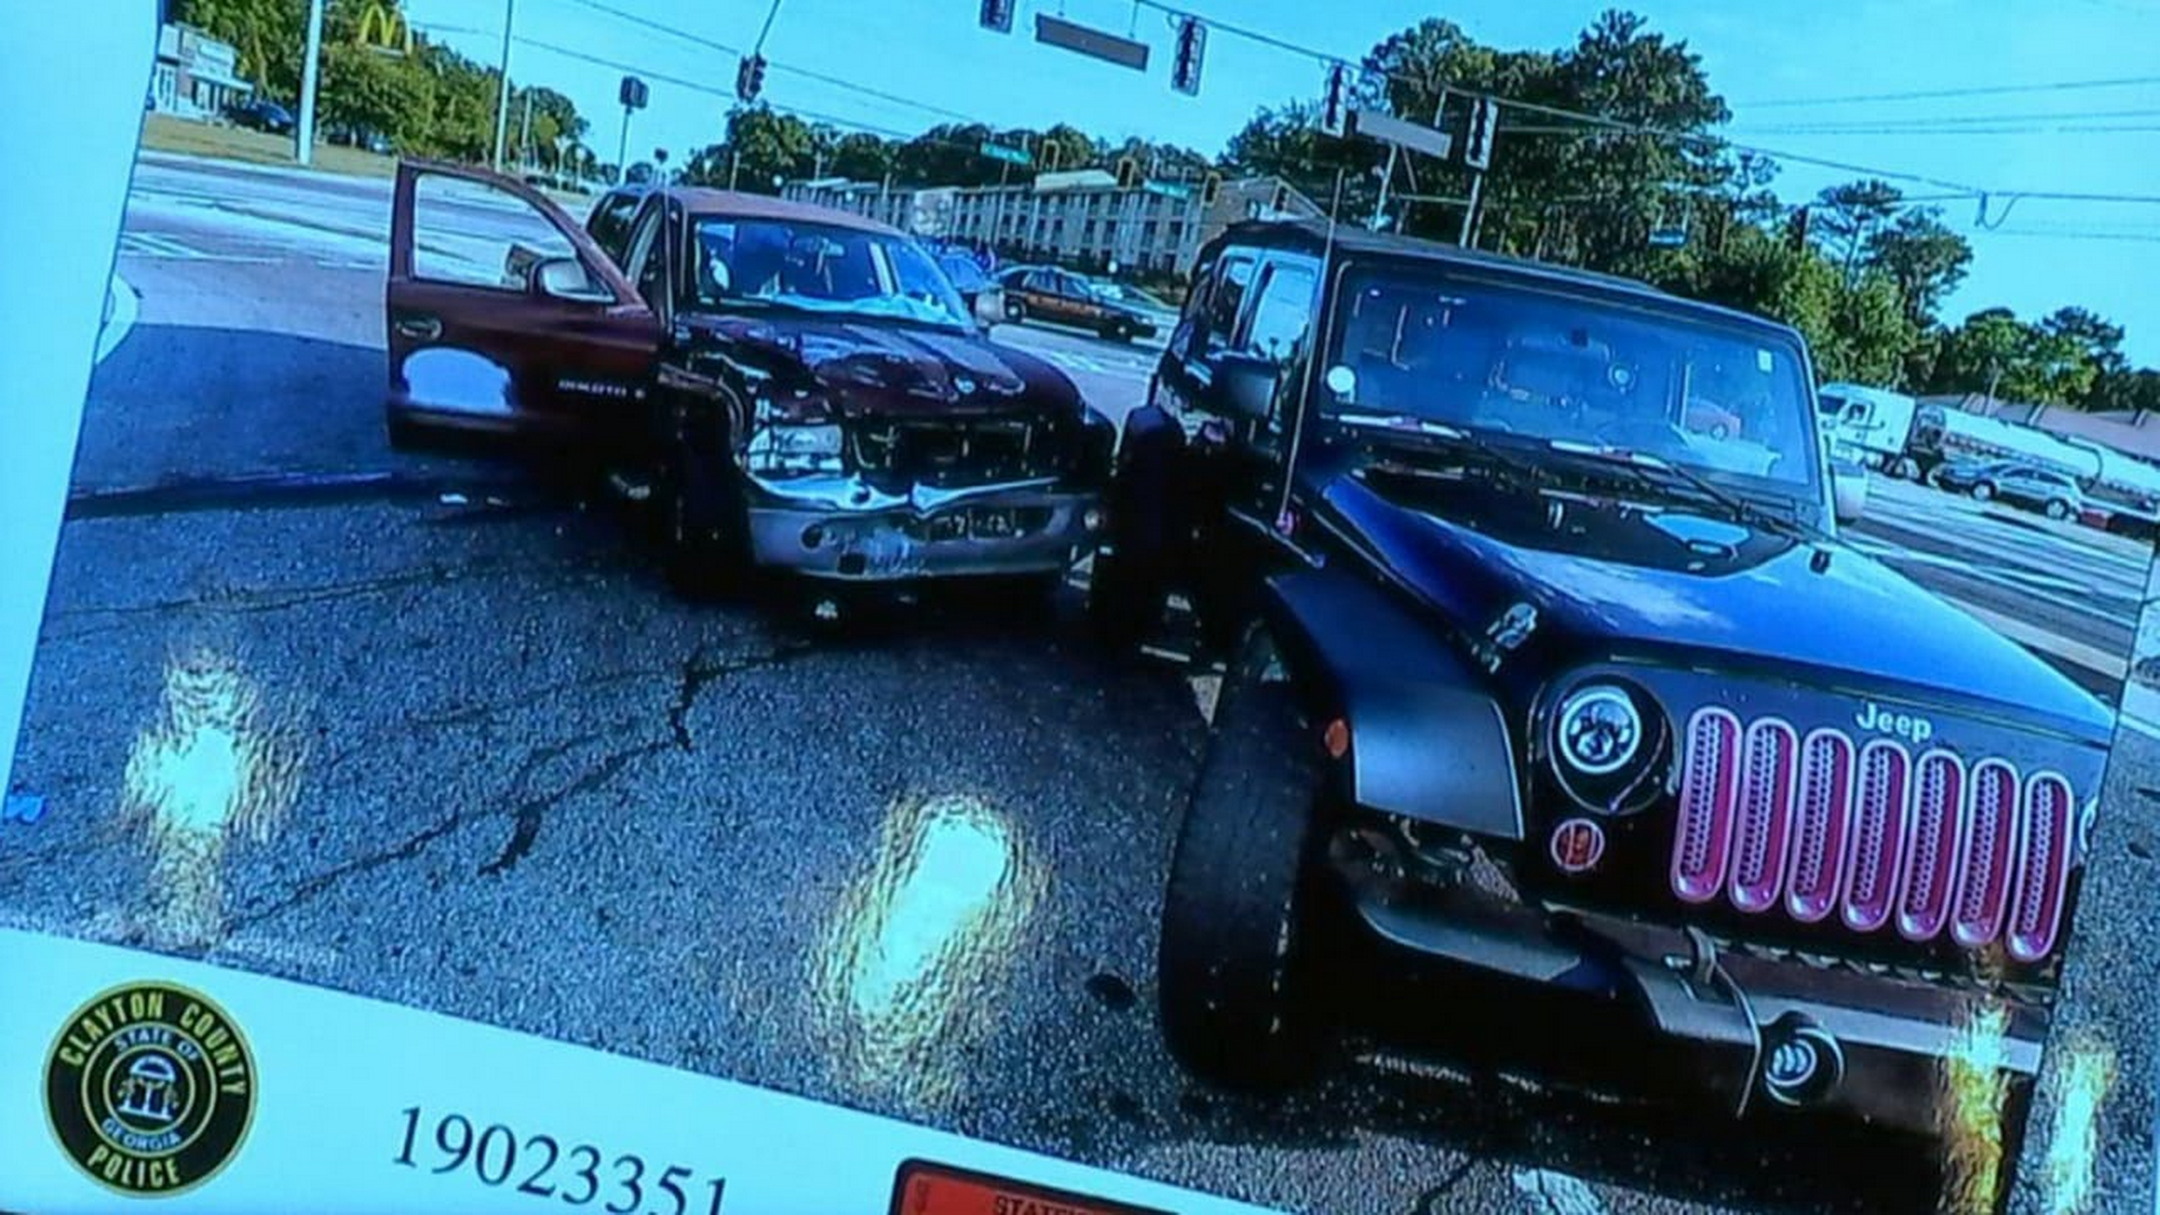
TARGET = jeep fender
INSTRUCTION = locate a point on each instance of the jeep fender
(1427, 740)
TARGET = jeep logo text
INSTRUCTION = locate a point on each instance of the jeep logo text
(1912, 728)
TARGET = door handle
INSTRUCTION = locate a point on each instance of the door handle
(422, 328)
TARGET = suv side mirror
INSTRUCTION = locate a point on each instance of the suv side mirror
(1245, 387)
(564, 278)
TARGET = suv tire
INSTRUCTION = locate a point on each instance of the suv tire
(1016, 311)
(2057, 509)
(1232, 954)
(704, 521)
(1982, 491)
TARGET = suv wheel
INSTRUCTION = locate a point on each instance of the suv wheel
(1016, 310)
(1233, 953)
(2058, 509)
(705, 521)
(1982, 491)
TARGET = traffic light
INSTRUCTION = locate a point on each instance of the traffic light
(750, 77)
(1796, 234)
(633, 94)
(1335, 102)
(1478, 139)
(1191, 49)
(1281, 199)
(998, 15)
(1210, 186)
(1128, 173)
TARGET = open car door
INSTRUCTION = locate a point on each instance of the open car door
(504, 317)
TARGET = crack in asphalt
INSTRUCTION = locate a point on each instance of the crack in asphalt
(275, 491)
(696, 677)
(412, 846)
(1428, 1203)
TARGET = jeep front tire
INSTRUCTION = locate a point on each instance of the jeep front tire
(705, 521)
(1232, 954)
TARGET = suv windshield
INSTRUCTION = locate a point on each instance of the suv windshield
(1555, 367)
(822, 268)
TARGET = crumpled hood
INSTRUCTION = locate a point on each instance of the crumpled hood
(869, 368)
(1710, 591)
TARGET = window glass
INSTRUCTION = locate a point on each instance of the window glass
(813, 267)
(1281, 314)
(1229, 295)
(479, 235)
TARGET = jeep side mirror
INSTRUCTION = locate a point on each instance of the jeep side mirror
(564, 278)
(1245, 387)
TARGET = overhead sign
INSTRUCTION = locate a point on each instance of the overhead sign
(1386, 128)
(1056, 31)
(1011, 155)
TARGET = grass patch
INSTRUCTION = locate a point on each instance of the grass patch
(165, 133)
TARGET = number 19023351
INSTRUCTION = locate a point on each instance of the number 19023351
(541, 1166)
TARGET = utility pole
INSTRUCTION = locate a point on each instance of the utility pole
(734, 162)
(525, 144)
(1469, 215)
(310, 76)
(502, 85)
(1379, 215)
(622, 150)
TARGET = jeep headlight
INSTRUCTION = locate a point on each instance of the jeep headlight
(1599, 730)
(781, 448)
(1607, 743)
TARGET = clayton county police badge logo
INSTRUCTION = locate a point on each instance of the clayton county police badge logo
(150, 1089)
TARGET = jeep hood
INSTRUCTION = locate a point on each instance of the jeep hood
(1686, 588)
(865, 368)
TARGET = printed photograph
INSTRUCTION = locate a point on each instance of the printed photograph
(1371, 609)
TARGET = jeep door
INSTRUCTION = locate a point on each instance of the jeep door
(502, 314)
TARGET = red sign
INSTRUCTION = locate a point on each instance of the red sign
(923, 1188)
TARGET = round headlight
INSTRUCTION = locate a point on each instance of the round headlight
(1600, 730)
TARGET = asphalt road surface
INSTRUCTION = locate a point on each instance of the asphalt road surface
(419, 729)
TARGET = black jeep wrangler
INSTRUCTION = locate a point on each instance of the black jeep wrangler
(1546, 666)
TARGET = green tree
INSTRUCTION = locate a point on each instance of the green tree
(269, 36)
(364, 90)
(1846, 215)
(861, 156)
(1923, 257)
(2031, 363)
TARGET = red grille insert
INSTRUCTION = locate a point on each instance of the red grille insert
(1766, 802)
(1821, 825)
(1709, 781)
(1816, 825)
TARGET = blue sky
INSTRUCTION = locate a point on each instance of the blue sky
(1755, 51)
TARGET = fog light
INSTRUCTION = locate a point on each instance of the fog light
(1092, 520)
(1802, 1063)
(812, 536)
(1578, 845)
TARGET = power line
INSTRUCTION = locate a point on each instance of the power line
(650, 24)
(1996, 90)
(1947, 120)
(1930, 132)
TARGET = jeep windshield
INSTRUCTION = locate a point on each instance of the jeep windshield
(814, 267)
(1498, 362)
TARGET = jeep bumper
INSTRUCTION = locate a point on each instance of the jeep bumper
(844, 528)
(1883, 1045)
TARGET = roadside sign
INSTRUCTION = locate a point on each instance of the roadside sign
(1168, 189)
(1011, 155)
(1386, 128)
(1058, 32)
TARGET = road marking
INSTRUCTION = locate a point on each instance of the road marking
(121, 307)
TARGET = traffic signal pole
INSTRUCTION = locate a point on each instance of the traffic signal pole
(502, 86)
(310, 75)
(1469, 215)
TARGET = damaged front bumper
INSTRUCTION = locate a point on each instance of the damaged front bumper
(844, 527)
(1757, 1030)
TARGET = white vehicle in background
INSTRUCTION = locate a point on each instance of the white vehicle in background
(2125, 492)
(1871, 427)
(1940, 435)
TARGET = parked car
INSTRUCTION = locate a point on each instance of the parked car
(1534, 694)
(260, 115)
(2052, 493)
(1061, 297)
(790, 387)
(1160, 315)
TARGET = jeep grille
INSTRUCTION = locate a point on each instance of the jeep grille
(961, 452)
(1771, 820)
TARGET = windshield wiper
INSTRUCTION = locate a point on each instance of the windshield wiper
(1400, 425)
(1657, 473)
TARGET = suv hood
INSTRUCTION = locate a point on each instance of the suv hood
(864, 368)
(1701, 591)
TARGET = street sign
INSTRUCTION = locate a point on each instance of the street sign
(1668, 238)
(633, 94)
(1168, 189)
(1191, 50)
(1011, 155)
(1386, 128)
(1058, 32)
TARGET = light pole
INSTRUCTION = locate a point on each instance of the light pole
(502, 89)
(310, 72)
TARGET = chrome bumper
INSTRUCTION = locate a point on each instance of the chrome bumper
(842, 528)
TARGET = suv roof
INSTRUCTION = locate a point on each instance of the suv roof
(1312, 236)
